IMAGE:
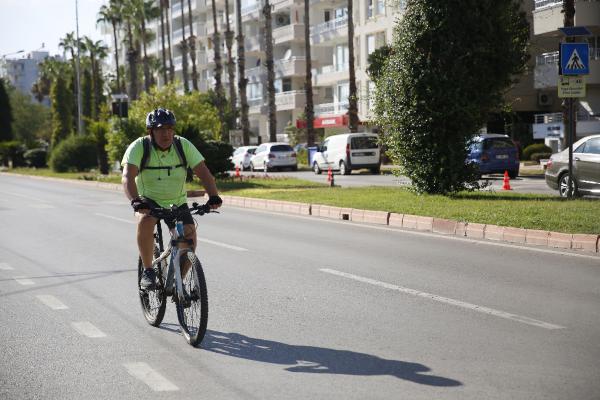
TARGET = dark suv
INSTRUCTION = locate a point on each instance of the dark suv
(494, 154)
(586, 168)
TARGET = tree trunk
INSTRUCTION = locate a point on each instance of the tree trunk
(270, 72)
(192, 46)
(162, 44)
(183, 46)
(114, 26)
(352, 98)
(309, 109)
(218, 72)
(132, 60)
(230, 67)
(568, 20)
(242, 81)
(171, 67)
(147, 80)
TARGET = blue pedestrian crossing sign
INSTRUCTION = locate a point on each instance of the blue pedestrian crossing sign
(574, 59)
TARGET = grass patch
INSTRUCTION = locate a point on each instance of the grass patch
(86, 176)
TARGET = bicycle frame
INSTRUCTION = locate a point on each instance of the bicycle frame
(174, 267)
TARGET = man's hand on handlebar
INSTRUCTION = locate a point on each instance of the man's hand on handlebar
(214, 202)
(141, 205)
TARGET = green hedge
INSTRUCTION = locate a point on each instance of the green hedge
(535, 148)
(36, 158)
(11, 152)
(540, 156)
(75, 153)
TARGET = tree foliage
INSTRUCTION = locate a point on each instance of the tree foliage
(6, 117)
(32, 121)
(449, 66)
(62, 110)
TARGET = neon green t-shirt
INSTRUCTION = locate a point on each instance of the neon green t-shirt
(166, 187)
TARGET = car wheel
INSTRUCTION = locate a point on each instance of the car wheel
(513, 174)
(265, 167)
(316, 168)
(295, 168)
(344, 170)
(376, 170)
(252, 167)
(563, 186)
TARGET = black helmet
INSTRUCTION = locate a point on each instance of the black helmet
(160, 117)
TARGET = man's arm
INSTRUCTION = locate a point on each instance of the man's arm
(128, 180)
(208, 180)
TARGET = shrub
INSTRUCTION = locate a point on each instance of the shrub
(540, 156)
(11, 153)
(74, 153)
(535, 148)
(36, 158)
(302, 156)
(122, 132)
(217, 156)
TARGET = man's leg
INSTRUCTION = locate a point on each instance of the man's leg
(145, 238)
(189, 232)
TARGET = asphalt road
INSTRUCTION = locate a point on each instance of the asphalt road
(536, 185)
(300, 308)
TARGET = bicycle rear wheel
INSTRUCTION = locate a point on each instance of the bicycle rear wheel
(153, 301)
(192, 313)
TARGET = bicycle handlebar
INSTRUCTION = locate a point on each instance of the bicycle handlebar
(175, 212)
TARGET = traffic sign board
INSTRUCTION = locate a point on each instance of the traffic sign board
(574, 58)
(571, 86)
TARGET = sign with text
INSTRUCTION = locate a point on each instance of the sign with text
(571, 86)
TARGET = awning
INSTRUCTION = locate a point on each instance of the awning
(326, 121)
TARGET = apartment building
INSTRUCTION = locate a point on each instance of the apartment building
(547, 18)
(23, 72)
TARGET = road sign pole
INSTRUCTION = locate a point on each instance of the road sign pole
(571, 139)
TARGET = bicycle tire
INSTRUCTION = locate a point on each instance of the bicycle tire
(193, 316)
(153, 302)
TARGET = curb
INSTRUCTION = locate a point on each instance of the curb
(589, 243)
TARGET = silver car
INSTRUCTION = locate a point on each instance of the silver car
(269, 156)
(586, 168)
(241, 157)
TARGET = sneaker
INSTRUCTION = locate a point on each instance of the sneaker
(148, 279)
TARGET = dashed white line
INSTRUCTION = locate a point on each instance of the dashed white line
(225, 245)
(458, 303)
(116, 218)
(87, 329)
(24, 281)
(150, 377)
(5, 267)
(52, 302)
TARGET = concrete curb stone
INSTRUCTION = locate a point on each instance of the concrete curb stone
(493, 232)
(444, 226)
(536, 237)
(560, 240)
(585, 242)
(515, 235)
(475, 231)
(409, 221)
(396, 220)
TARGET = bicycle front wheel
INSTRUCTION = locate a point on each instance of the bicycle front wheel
(153, 301)
(192, 310)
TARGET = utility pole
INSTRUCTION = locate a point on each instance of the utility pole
(569, 116)
(77, 65)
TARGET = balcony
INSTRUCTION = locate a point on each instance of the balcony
(551, 125)
(251, 11)
(295, 66)
(290, 100)
(253, 44)
(546, 69)
(548, 16)
(255, 106)
(288, 33)
(326, 31)
(329, 75)
(332, 108)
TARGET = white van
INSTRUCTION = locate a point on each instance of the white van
(346, 152)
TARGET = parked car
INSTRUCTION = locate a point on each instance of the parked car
(494, 154)
(241, 157)
(348, 151)
(586, 168)
(269, 156)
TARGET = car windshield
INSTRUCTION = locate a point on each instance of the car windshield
(281, 147)
(499, 143)
(363, 142)
(251, 151)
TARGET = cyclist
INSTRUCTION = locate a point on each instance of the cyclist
(161, 182)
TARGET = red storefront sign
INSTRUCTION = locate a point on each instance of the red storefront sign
(330, 121)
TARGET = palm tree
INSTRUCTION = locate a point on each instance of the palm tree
(97, 51)
(352, 98)
(129, 16)
(218, 71)
(309, 109)
(166, 6)
(192, 46)
(162, 43)
(270, 71)
(183, 47)
(110, 14)
(230, 63)
(242, 81)
(144, 10)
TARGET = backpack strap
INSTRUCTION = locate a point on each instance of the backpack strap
(147, 143)
(179, 149)
(146, 154)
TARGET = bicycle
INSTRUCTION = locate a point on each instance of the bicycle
(188, 292)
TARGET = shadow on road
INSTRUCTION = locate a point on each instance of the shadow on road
(320, 360)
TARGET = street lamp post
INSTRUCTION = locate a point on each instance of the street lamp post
(79, 121)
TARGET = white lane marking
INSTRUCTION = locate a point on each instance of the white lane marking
(24, 281)
(150, 377)
(227, 246)
(116, 218)
(458, 303)
(87, 329)
(5, 267)
(37, 199)
(52, 302)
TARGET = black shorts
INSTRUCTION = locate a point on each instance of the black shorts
(186, 216)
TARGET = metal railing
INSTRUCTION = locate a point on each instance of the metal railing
(331, 108)
(547, 58)
(251, 8)
(329, 25)
(288, 98)
(558, 117)
(546, 3)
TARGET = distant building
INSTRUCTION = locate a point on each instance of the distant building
(23, 72)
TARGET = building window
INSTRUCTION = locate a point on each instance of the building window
(375, 41)
(342, 56)
(375, 7)
(254, 91)
(341, 12)
(283, 85)
(343, 91)
(370, 95)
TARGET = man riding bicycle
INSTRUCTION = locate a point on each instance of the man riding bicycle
(155, 176)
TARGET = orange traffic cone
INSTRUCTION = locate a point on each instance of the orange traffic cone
(506, 185)
(237, 171)
(330, 177)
